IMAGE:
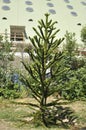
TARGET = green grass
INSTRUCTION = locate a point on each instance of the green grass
(16, 114)
(81, 112)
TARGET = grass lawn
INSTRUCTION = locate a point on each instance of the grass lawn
(17, 117)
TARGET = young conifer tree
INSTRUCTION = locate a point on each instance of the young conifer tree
(44, 56)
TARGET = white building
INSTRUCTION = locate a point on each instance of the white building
(19, 16)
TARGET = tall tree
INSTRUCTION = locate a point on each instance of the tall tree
(70, 49)
(45, 56)
(83, 35)
(5, 57)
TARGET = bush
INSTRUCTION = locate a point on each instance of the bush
(74, 84)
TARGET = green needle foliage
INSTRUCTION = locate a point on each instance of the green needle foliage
(41, 80)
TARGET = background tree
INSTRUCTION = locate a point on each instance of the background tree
(7, 87)
(83, 38)
(73, 87)
(83, 35)
(5, 49)
(70, 49)
(41, 80)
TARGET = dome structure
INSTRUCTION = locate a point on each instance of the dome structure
(21, 15)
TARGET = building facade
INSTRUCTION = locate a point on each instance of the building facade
(19, 16)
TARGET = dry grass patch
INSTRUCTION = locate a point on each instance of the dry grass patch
(18, 117)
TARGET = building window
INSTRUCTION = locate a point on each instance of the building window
(74, 14)
(67, 1)
(69, 6)
(17, 33)
(50, 5)
(52, 11)
(79, 24)
(6, 1)
(4, 18)
(31, 20)
(6, 8)
(83, 3)
(29, 9)
(28, 2)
